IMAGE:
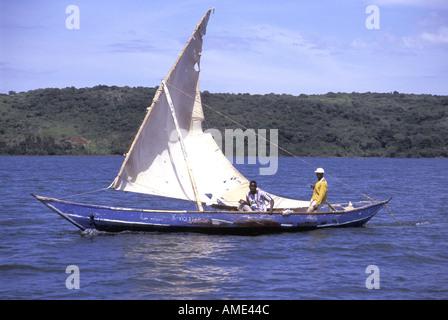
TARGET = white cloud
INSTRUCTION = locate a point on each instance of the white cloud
(268, 58)
(438, 37)
(436, 4)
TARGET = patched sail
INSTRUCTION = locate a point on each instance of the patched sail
(156, 162)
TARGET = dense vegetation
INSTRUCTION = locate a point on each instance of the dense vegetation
(105, 119)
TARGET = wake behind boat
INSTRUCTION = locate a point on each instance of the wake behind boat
(171, 156)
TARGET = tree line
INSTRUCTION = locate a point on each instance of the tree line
(103, 120)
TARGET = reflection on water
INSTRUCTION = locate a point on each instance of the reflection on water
(182, 267)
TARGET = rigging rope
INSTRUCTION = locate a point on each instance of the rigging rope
(82, 193)
(267, 140)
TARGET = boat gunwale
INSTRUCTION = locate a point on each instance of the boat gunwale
(43, 199)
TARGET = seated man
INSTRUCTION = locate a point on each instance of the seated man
(255, 200)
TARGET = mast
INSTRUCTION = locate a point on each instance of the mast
(201, 28)
(128, 154)
(155, 165)
(181, 141)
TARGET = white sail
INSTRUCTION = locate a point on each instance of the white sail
(156, 162)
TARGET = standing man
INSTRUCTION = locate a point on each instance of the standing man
(255, 200)
(320, 191)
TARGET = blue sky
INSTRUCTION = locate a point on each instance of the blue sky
(252, 47)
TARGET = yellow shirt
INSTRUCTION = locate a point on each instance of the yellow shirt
(320, 192)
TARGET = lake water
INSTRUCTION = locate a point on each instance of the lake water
(410, 257)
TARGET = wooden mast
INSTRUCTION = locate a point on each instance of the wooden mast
(156, 98)
(181, 141)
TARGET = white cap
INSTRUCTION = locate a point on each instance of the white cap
(319, 170)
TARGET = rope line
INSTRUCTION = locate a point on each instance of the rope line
(79, 194)
(387, 207)
(267, 140)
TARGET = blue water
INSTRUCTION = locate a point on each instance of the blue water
(36, 245)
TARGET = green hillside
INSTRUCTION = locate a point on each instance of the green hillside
(105, 119)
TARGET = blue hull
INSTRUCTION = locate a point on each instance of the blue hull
(112, 219)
